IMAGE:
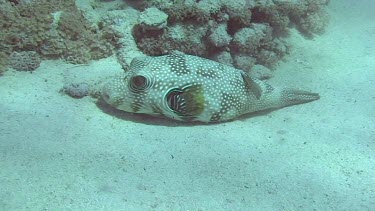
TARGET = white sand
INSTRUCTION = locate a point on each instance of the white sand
(61, 153)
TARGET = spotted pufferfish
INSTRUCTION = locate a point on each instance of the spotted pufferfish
(190, 88)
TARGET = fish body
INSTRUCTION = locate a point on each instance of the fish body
(190, 88)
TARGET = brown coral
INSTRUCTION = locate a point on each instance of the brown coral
(254, 28)
(3, 62)
(34, 26)
(24, 61)
(313, 23)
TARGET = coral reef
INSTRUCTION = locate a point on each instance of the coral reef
(3, 62)
(244, 62)
(261, 72)
(53, 30)
(238, 32)
(219, 36)
(314, 23)
(24, 61)
(252, 28)
(153, 19)
(249, 40)
(185, 37)
(224, 58)
(122, 22)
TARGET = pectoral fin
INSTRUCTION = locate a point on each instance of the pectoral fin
(252, 85)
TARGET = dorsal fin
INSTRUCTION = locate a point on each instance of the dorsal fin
(252, 85)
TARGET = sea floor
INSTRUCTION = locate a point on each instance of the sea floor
(60, 153)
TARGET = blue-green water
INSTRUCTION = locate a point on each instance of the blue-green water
(59, 152)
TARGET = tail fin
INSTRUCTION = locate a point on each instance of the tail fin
(295, 96)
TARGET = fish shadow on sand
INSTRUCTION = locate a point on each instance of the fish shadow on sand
(160, 121)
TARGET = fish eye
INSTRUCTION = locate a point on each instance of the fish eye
(139, 83)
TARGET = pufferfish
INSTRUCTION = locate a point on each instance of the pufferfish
(190, 88)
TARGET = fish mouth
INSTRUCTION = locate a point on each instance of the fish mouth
(114, 102)
(105, 96)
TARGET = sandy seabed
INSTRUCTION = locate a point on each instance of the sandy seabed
(60, 153)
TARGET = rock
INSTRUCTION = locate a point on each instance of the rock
(24, 61)
(244, 62)
(153, 19)
(224, 58)
(261, 72)
(220, 36)
(76, 90)
(247, 40)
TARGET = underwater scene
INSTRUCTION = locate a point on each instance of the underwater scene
(187, 105)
